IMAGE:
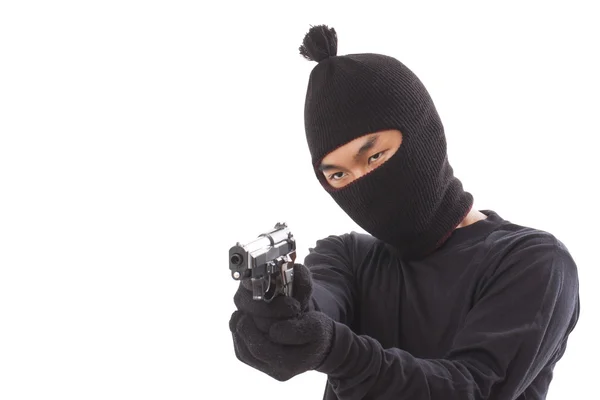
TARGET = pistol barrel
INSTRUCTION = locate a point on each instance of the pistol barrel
(265, 248)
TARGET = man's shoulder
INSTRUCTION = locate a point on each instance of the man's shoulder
(511, 237)
(513, 247)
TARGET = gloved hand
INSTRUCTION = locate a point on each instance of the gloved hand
(281, 306)
(288, 347)
(282, 338)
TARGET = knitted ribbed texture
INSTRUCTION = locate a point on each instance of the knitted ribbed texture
(412, 201)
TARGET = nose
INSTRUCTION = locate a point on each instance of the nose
(359, 172)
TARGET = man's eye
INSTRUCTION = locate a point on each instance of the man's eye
(375, 157)
(336, 176)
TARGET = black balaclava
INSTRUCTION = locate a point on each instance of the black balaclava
(412, 201)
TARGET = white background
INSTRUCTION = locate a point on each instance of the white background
(140, 140)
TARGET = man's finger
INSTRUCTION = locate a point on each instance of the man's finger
(257, 343)
(243, 354)
(298, 331)
(302, 286)
(279, 307)
(233, 321)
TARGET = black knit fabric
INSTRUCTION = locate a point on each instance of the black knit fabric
(413, 201)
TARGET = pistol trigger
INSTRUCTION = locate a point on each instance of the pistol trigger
(287, 278)
(258, 289)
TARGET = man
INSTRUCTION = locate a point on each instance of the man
(440, 301)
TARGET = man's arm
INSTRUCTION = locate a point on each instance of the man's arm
(519, 324)
(331, 264)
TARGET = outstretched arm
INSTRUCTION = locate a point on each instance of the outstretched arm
(518, 325)
(331, 268)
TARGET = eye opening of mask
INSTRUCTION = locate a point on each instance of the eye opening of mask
(384, 167)
(358, 158)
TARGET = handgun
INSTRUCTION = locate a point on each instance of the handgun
(268, 261)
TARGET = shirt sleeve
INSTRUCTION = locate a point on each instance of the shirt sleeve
(519, 324)
(331, 263)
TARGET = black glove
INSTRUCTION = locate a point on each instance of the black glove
(289, 347)
(282, 338)
(281, 306)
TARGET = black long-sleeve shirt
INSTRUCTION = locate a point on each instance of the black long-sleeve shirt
(486, 316)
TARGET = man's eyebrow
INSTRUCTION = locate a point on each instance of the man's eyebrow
(368, 145)
(327, 167)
